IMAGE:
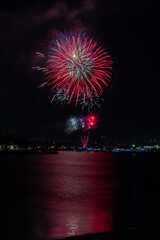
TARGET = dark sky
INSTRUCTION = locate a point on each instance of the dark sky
(127, 29)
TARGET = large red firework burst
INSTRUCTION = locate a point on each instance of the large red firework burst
(77, 66)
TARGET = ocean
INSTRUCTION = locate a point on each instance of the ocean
(53, 196)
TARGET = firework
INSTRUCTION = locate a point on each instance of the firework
(88, 104)
(58, 97)
(81, 123)
(91, 121)
(72, 124)
(76, 65)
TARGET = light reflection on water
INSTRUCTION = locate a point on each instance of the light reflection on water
(77, 193)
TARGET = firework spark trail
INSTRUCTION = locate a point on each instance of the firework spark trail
(88, 104)
(85, 140)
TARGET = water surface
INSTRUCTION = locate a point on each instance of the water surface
(77, 193)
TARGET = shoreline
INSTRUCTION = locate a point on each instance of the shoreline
(114, 235)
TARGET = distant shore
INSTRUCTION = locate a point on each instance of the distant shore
(57, 151)
(27, 152)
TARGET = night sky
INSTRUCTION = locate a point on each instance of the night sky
(129, 32)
